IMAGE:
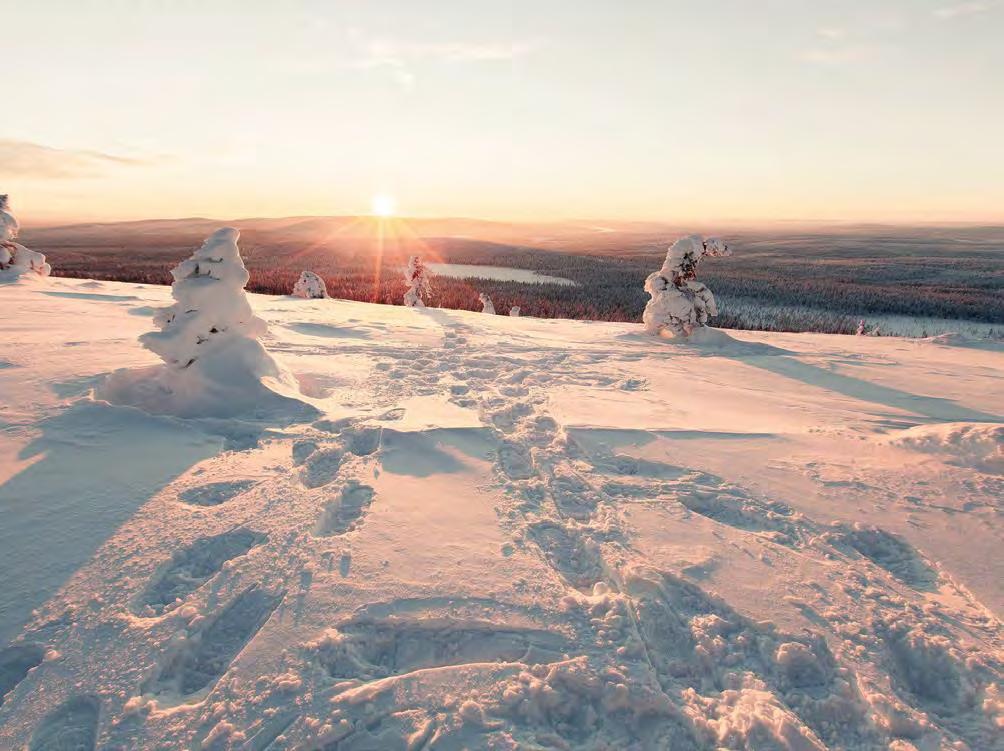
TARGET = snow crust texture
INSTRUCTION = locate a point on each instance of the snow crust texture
(498, 533)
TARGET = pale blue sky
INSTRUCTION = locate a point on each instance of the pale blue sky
(723, 110)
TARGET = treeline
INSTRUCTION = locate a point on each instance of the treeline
(773, 288)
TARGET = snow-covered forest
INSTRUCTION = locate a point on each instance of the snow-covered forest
(901, 281)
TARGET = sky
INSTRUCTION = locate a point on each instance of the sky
(675, 110)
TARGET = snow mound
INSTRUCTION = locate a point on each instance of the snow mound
(976, 445)
(16, 260)
(214, 365)
(310, 286)
(954, 339)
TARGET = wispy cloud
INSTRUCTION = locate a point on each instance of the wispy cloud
(26, 159)
(402, 57)
(836, 54)
(831, 32)
(960, 10)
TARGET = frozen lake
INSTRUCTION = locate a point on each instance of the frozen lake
(502, 273)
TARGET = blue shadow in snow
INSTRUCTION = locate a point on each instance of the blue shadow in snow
(95, 466)
(934, 408)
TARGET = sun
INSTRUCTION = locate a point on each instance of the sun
(383, 205)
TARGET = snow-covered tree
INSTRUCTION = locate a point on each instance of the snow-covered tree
(416, 276)
(514, 311)
(15, 259)
(8, 222)
(486, 304)
(212, 309)
(310, 286)
(679, 303)
(214, 364)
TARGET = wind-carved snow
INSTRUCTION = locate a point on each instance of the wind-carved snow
(517, 534)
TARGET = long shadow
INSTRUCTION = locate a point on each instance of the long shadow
(931, 407)
(95, 466)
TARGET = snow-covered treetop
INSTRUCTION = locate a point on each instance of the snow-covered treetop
(486, 304)
(686, 253)
(16, 260)
(8, 222)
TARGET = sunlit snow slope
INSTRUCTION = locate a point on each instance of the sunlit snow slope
(499, 533)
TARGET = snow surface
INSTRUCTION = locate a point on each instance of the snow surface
(493, 532)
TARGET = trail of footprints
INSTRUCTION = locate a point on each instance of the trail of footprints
(674, 621)
(677, 623)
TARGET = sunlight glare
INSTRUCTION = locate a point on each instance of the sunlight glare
(383, 205)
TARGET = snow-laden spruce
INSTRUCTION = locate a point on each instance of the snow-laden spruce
(15, 259)
(310, 286)
(214, 363)
(416, 276)
(486, 304)
(679, 303)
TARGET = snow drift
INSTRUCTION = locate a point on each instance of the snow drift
(976, 445)
(214, 364)
(15, 259)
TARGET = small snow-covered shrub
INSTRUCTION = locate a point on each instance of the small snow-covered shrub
(679, 303)
(310, 286)
(15, 259)
(486, 304)
(416, 276)
(514, 311)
